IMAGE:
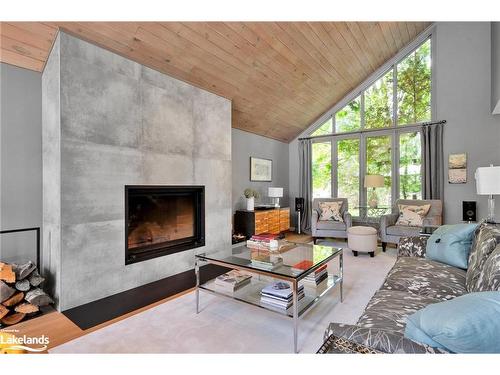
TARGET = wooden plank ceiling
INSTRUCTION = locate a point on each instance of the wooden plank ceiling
(280, 76)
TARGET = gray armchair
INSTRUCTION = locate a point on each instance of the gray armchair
(391, 233)
(327, 228)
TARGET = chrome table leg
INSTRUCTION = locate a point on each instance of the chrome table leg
(295, 315)
(197, 273)
(341, 271)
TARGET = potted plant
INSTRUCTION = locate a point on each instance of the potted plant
(250, 195)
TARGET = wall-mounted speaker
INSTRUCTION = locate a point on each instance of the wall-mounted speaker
(469, 211)
(299, 204)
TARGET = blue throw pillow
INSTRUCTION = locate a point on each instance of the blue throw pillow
(450, 244)
(465, 324)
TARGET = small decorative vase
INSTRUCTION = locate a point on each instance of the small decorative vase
(250, 204)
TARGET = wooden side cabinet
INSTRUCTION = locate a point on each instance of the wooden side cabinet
(274, 220)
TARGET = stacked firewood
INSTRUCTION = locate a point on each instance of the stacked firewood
(21, 295)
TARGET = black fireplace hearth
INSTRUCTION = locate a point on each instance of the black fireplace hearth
(162, 220)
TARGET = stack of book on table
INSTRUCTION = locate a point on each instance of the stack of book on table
(261, 241)
(231, 281)
(265, 260)
(314, 279)
(279, 295)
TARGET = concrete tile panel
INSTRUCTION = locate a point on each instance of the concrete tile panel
(167, 120)
(93, 180)
(216, 176)
(166, 82)
(99, 106)
(161, 169)
(101, 58)
(218, 229)
(212, 119)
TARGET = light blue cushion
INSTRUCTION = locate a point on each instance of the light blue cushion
(465, 324)
(450, 244)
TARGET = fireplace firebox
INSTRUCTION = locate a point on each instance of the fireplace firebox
(162, 220)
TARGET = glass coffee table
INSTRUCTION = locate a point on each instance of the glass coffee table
(240, 258)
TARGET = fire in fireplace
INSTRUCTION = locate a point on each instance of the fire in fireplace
(162, 220)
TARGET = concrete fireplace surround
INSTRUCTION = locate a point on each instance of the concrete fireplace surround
(110, 122)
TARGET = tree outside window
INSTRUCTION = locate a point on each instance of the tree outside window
(414, 86)
(378, 103)
(326, 128)
(374, 109)
(322, 169)
(349, 118)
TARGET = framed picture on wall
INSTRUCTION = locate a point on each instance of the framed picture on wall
(261, 169)
(457, 168)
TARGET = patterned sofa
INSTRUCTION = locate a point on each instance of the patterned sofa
(413, 283)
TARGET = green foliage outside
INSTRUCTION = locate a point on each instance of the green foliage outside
(379, 161)
(413, 106)
(410, 160)
(322, 169)
(349, 118)
(348, 172)
(326, 128)
(414, 86)
(378, 103)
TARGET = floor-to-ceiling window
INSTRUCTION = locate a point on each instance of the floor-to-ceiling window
(377, 133)
(348, 172)
(322, 169)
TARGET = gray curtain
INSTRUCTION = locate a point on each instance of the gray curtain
(305, 174)
(433, 163)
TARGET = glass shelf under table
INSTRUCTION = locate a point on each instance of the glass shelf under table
(250, 293)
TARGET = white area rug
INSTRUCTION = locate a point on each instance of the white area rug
(226, 326)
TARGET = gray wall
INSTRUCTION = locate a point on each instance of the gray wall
(462, 79)
(21, 161)
(122, 123)
(463, 89)
(246, 144)
(495, 64)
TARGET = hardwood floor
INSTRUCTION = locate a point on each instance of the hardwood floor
(59, 329)
(300, 238)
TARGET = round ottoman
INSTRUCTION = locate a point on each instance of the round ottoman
(363, 239)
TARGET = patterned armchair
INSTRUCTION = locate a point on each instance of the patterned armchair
(392, 233)
(329, 228)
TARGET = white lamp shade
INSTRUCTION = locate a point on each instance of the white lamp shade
(275, 192)
(488, 180)
(374, 180)
(496, 110)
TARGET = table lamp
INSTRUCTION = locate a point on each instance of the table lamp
(373, 181)
(276, 193)
(488, 183)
